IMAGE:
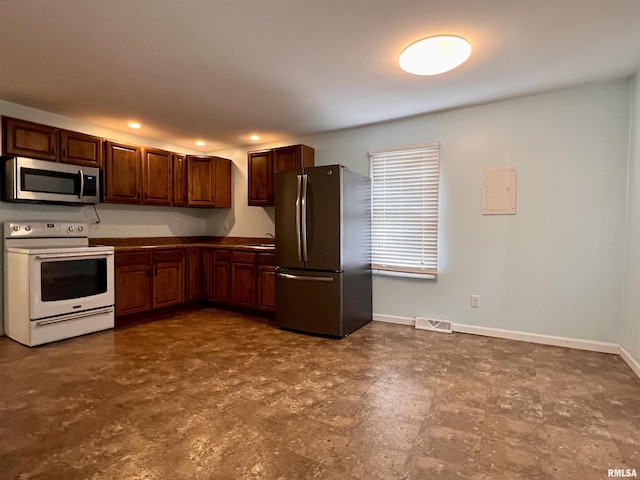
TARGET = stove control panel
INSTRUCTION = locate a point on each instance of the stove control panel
(45, 229)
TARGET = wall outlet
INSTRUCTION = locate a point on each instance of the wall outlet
(475, 301)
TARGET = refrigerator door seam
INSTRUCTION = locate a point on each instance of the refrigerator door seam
(305, 183)
(298, 218)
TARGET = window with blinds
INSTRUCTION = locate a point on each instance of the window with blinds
(404, 208)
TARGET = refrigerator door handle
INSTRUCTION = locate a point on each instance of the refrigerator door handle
(305, 278)
(298, 219)
(303, 213)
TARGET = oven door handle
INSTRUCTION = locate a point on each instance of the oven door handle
(74, 316)
(47, 256)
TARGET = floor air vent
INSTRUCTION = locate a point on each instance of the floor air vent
(434, 325)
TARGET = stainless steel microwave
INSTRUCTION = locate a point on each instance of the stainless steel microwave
(29, 180)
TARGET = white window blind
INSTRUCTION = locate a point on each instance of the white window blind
(404, 208)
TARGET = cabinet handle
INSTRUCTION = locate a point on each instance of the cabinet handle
(53, 150)
(64, 153)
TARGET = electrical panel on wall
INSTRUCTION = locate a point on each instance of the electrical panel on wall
(499, 191)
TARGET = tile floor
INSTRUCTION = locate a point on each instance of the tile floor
(214, 395)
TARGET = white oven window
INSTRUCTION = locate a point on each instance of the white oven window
(68, 279)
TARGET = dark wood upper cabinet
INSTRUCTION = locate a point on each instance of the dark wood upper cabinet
(292, 157)
(157, 177)
(33, 140)
(209, 181)
(180, 187)
(263, 164)
(80, 149)
(123, 173)
(260, 173)
(28, 139)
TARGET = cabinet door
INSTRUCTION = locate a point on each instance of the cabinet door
(222, 277)
(266, 282)
(157, 177)
(133, 282)
(292, 157)
(222, 183)
(123, 173)
(21, 138)
(168, 277)
(243, 279)
(260, 172)
(194, 290)
(208, 274)
(80, 149)
(180, 198)
(200, 171)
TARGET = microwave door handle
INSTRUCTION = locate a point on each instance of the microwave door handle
(50, 256)
(81, 194)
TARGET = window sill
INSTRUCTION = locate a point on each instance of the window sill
(419, 276)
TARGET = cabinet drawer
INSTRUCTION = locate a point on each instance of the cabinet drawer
(173, 255)
(266, 259)
(124, 259)
(243, 257)
(221, 255)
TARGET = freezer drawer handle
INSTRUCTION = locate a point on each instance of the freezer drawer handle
(302, 277)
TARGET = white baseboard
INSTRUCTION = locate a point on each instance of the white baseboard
(590, 345)
(393, 319)
(632, 362)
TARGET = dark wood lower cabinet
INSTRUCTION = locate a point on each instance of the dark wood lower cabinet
(243, 279)
(153, 278)
(168, 277)
(222, 276)
(267, 282)
(194, 290)
(148, 280)
(133, 282)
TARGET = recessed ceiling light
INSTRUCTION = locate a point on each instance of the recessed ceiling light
(200, 143)
(254, 137)
(134, 125)
(434, 55)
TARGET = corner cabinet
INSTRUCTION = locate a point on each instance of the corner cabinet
(208, 181)
(33, 140)
(263, 164)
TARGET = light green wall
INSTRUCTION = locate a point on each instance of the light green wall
(630, 338)
(554, 268)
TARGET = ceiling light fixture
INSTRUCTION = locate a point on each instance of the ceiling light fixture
(434, 55)
(200, 143)
(255, 138)
(134, 125)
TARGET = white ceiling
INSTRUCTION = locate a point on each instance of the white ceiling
(223, 69)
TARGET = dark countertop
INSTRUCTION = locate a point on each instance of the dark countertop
(137, 243)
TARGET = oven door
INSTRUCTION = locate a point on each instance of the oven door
(63, 283)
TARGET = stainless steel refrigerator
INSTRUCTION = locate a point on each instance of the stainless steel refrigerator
(323, 238)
